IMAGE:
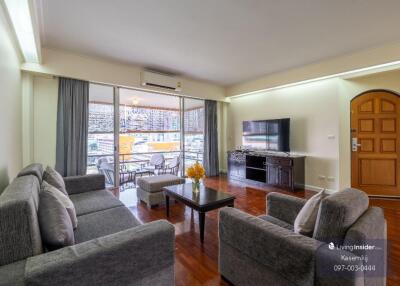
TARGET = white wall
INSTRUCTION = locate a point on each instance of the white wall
(313, 110)
(10, 105)
(362, 59)
(61, 63)
(45, 96)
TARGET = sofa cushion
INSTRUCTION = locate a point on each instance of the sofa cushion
(32, 169)
(103, 223)
(54, 220)
(277, 222)
(65, 200)
(19, 227)
(54, 178)
(306, 218)
(13, 274)
(337, 213)
(156, 183)
(94, 201)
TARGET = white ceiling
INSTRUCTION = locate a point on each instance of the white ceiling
(223, 41)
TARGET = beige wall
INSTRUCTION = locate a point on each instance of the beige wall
(45, 90)
(313, 110)
(317, 110)
(358, 60)
(61, 63)
(348, 89)
(10, 105)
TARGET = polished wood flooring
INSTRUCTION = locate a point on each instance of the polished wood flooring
(197, 264)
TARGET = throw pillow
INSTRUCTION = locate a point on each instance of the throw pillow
(54, 221)
(54, 178)
(305, 221)
(66, 201)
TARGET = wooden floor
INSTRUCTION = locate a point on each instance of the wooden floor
(197, 264)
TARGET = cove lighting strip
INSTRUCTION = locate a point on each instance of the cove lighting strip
(361, 71)
(20, 16)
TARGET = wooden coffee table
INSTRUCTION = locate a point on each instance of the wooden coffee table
(206, 200)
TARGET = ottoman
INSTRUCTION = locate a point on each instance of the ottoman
(149, 189)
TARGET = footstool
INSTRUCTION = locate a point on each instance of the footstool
(149, 189)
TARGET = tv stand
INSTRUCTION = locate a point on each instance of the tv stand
(267, 169)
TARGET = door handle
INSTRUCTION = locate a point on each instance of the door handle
(354, 144)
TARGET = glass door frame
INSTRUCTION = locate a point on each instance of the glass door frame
(116, 136)
(116, 133)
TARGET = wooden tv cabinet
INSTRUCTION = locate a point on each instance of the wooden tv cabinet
(267, 169)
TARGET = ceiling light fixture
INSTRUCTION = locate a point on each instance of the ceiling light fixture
(20, 15)
(344, 75)
(135, 101)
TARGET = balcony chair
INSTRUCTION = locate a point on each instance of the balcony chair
(156, 164)
(107, 169)
(173, 166)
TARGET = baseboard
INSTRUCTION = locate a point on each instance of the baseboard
(318, 189)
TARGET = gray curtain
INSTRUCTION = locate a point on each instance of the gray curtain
(72, 127)
(210, 161)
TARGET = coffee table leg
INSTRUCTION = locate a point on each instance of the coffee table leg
(201, 225)
(167, 204)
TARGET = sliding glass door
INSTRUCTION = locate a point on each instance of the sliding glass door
(193, 131)
(136, 133)
(149, 129)
(101, 132)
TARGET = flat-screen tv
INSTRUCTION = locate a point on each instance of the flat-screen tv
(271, 135)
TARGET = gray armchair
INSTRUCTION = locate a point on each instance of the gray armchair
(265, 251)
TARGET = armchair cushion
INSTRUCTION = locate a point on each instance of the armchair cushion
(284, 207)
(305, 220)
(337, 213)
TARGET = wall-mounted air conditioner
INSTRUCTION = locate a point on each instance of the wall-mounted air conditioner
(160, 80)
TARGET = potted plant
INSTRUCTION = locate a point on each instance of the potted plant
(196, 172)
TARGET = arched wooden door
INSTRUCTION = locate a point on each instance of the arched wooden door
(375, 143)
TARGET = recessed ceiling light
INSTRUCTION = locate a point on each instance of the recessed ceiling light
(20, 16)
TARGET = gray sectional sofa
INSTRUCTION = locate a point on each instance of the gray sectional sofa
(111, 246)
(266, 251)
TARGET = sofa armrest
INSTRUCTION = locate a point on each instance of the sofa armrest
(143, 255)
(81, 184)
(284, 207)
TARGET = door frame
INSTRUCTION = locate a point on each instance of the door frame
(351, 152)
